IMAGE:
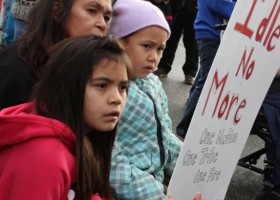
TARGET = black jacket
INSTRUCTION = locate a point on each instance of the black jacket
(16, 81)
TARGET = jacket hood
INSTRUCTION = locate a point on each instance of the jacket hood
(20, 123)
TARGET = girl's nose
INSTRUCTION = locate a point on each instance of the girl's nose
(153, 56)
(115, 97)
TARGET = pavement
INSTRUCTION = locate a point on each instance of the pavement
(245, 184)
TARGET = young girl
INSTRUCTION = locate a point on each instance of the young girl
(64, 138)
(146, 150)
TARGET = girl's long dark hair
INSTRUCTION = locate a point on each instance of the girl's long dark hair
(60, 95)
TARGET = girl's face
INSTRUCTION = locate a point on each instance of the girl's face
(144, 48)
(88, 17)
(105, 95)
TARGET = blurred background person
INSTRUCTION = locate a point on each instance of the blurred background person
(210, 13)
(182, 25)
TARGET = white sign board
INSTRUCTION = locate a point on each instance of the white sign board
(241, 73)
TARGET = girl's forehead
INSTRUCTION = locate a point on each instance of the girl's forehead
(113, 70)
(153, 34)
(151, 31)
(106, 63)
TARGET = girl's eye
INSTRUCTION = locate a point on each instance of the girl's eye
(124, 88)
(147, 46)
(92, 10)
(101, 85)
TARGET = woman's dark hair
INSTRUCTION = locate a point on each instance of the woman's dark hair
(43, 30)
(60, 95)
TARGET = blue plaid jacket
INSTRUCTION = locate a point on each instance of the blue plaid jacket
(136, 170)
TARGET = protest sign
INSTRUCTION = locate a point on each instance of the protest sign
(241, 73)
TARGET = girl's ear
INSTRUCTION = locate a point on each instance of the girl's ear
(57, 9)
(124, 42)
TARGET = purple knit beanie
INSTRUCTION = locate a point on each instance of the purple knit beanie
(130, 16)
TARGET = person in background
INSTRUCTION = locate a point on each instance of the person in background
(50, 21)
(59, 146)
(7, 24)
(20, 12)
(183, 23)
(271, 111)
(210, 13)
(5, 8)
(165, 7)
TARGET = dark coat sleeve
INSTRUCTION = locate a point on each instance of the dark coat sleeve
(16, 81)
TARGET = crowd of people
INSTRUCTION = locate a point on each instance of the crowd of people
(83, 114)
